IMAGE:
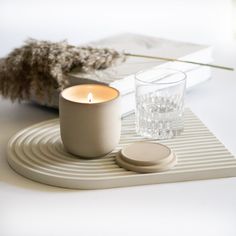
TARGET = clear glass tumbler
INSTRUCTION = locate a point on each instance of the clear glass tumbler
(160, 102)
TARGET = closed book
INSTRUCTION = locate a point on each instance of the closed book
(121, 76)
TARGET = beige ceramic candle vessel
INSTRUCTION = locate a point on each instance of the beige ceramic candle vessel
(90, 119)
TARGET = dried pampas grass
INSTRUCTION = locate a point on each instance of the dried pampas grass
(39, 67)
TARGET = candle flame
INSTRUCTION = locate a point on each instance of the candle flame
(90, 97)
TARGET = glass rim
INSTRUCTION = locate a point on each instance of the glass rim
(161, 83)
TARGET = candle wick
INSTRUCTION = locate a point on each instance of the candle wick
(90, 97)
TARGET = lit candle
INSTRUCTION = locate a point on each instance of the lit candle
(90, 120)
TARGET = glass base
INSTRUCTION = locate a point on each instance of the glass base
(160, 134)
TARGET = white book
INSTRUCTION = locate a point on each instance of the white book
(122, 76)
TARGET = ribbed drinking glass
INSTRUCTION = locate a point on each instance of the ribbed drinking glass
(160, 102)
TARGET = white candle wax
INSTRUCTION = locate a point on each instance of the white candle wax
(94, 92)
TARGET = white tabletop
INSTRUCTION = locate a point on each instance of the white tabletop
(191, 208)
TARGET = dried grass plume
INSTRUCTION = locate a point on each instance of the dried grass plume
(39, 67)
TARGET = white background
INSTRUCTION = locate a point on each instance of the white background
(193, 208)
(80, 21)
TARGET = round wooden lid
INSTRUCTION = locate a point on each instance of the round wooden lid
(146, 154)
